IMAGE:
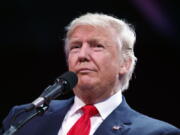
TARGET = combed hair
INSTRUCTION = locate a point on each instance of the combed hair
(125, 35)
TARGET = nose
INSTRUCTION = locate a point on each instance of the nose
(84, 52)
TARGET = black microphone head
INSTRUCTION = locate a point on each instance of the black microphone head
(71, 79)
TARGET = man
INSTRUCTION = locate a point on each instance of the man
(99, 49)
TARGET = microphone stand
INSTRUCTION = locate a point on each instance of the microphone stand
(62, 86)
(15, 127)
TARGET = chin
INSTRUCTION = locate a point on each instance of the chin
(85, 78)
(86, 83)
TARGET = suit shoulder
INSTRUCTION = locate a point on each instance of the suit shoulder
(59, 104)
(13, 111)
(148, 124)
(54, 106)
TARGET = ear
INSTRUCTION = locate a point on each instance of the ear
(125, 66)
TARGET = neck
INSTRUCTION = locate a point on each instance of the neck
(93, 96)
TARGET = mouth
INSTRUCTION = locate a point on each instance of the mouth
(85, 70)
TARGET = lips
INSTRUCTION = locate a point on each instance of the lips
(85, 70)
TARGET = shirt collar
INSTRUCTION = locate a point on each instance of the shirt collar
(78, 104)
(107, 106)
(104, 107)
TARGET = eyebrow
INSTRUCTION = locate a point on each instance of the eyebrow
(98, 40)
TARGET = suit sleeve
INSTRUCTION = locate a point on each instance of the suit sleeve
(7, 121)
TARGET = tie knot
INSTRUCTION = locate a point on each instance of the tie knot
(90, 110)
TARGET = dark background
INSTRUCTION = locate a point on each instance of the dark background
(31, 50)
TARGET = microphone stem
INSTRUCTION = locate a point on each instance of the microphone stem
(14, 128)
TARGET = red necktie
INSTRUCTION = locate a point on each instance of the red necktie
(83, 125)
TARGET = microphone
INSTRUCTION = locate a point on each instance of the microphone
(63, 84)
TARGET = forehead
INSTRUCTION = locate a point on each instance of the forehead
(95, 32)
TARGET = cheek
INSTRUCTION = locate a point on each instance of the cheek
(71, 62)
(110, 65)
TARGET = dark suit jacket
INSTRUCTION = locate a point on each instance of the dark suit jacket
(122, 121)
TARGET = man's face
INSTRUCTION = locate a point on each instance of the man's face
(93, 56)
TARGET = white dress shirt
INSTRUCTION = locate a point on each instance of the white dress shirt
(105, 108)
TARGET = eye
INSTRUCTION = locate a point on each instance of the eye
(75, 46)
(99, 46)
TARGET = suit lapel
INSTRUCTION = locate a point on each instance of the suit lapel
(118, 122)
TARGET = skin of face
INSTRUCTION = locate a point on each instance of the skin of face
(94, 57)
